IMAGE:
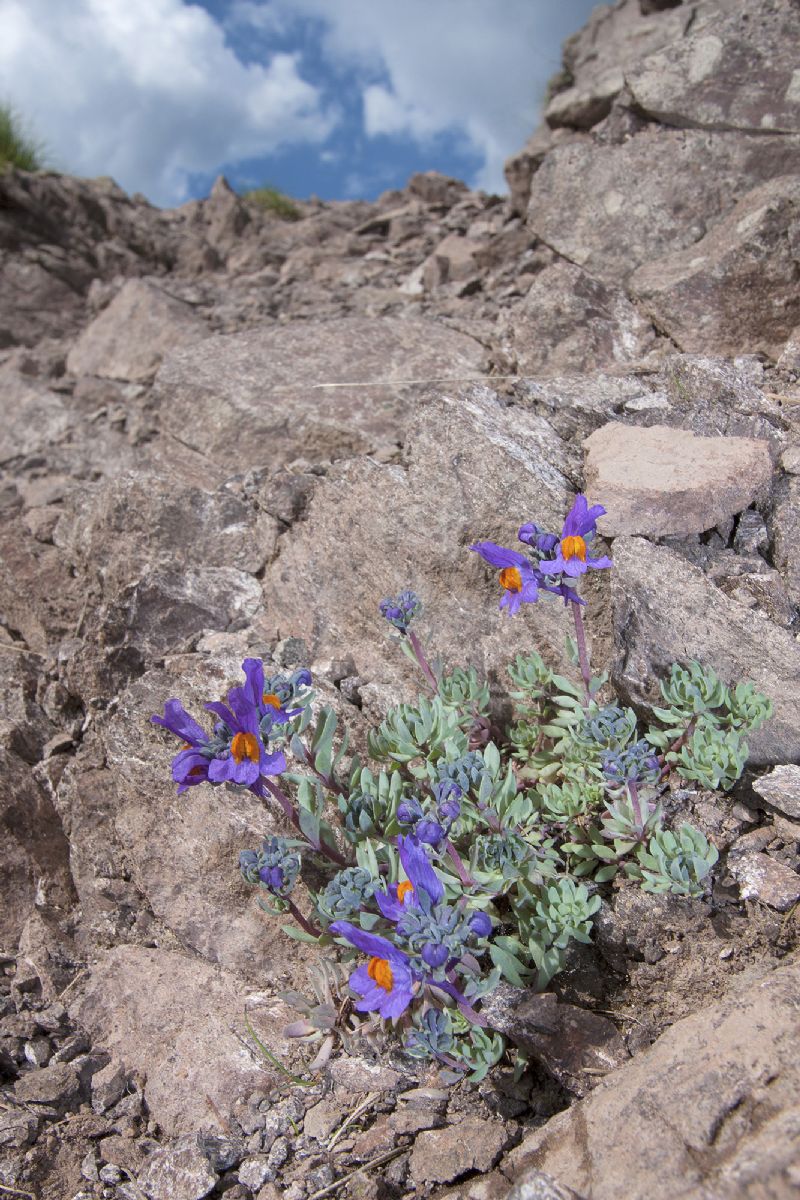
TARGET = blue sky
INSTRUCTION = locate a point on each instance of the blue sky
(338, 98)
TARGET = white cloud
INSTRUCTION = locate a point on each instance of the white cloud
(148, 91)
(470, 68)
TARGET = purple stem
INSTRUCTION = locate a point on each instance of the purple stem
(583, 657)
(329, 782)
(458, 863)
(674, 748)
(464, 1006)
(633, 792)
(425, 666)
(302, 921)
(291, 812)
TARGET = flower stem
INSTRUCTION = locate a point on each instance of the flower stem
(636, 803)
(674, 748)
(425, 666)
(583, 656)
(302, 921)
(291, 812)
(458, 863)
(326, 780)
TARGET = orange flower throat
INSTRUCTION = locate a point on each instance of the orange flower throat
(245, 745)
(574, 547)
(403, 889)
(271, 698)
(380, 970)
(510, 579)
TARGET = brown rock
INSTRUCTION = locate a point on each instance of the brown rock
(268, 381)
(781, 790)
(706, 1111)
(734, 291)
(576, 1046)
(441, 1155)
(786, 533)
(129, 339)
(659, 481)
(175, 1021)
(179, 1172)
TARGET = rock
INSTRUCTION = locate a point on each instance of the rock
(750, 257)
(785, 530)
(586, 104)
(269, 382)
(472, 467)
(321, 1120)
(254, 1172)
(174, 1020)
(781, 790)
(434, 188)
(538, 1185)
(35, 418)
(640, 199)
(576, 1046)
(687, 1114)
(18, 1128)
(129, 339)
(493, 1186)
(763, 878)
(52, 1090)
(664, 608)
(659, 481)
(686, 83)
(358, 1076)
(570, 321)
(108, 1086)
(179, 1172)
(442, 1155)
(454, 259)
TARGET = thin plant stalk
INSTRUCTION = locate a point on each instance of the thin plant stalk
(291, 812)
(425, 666)
(458, 863)
(302, 921)
(583, 655)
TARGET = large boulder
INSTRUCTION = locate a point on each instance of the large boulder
(658, 191)
(314, 390)
(709, 1110)
(735, 291)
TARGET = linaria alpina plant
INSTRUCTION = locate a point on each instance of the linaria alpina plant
(467, 854)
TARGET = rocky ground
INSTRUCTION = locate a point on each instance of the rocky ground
(226, 434)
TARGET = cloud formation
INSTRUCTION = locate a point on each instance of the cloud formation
(148, 91)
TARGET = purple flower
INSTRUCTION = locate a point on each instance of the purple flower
(254, 693)
(435, 955)
(518, 579)
(572, 558)
(533, 536)
(481, 924)
(190, 765)
(245, 758)
(386, 984)
(421, 877)
(401, 610)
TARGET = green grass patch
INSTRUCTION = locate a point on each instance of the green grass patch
(17, 148)
(270, 199)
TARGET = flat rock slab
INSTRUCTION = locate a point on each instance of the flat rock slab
(179, 1022)
(256, 398)
(735, 291)
(654, 193)
(708, 1110)
(766, 879)
(661, 481)
(129, 339)
(688, 83)
(781, 790)
(666, 609)
(442, 1155)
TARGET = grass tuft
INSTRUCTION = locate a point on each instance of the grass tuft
(270, 199)
(17, 148)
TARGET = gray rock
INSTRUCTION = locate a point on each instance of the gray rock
(269, 383)
(763, 878)
(18, 1128)
(52, 1090)
(659, 481)
(781, 790)
(665, 609)
(178, 1172)
(108, 1086)
(683, 1116)
(785, 529)
(538, 1185)
(130, 337)
(688, 82)
(569, 321)
(749, 259)
(442, 1155)
(587, 103)
(254, 1172)
(635, 196)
